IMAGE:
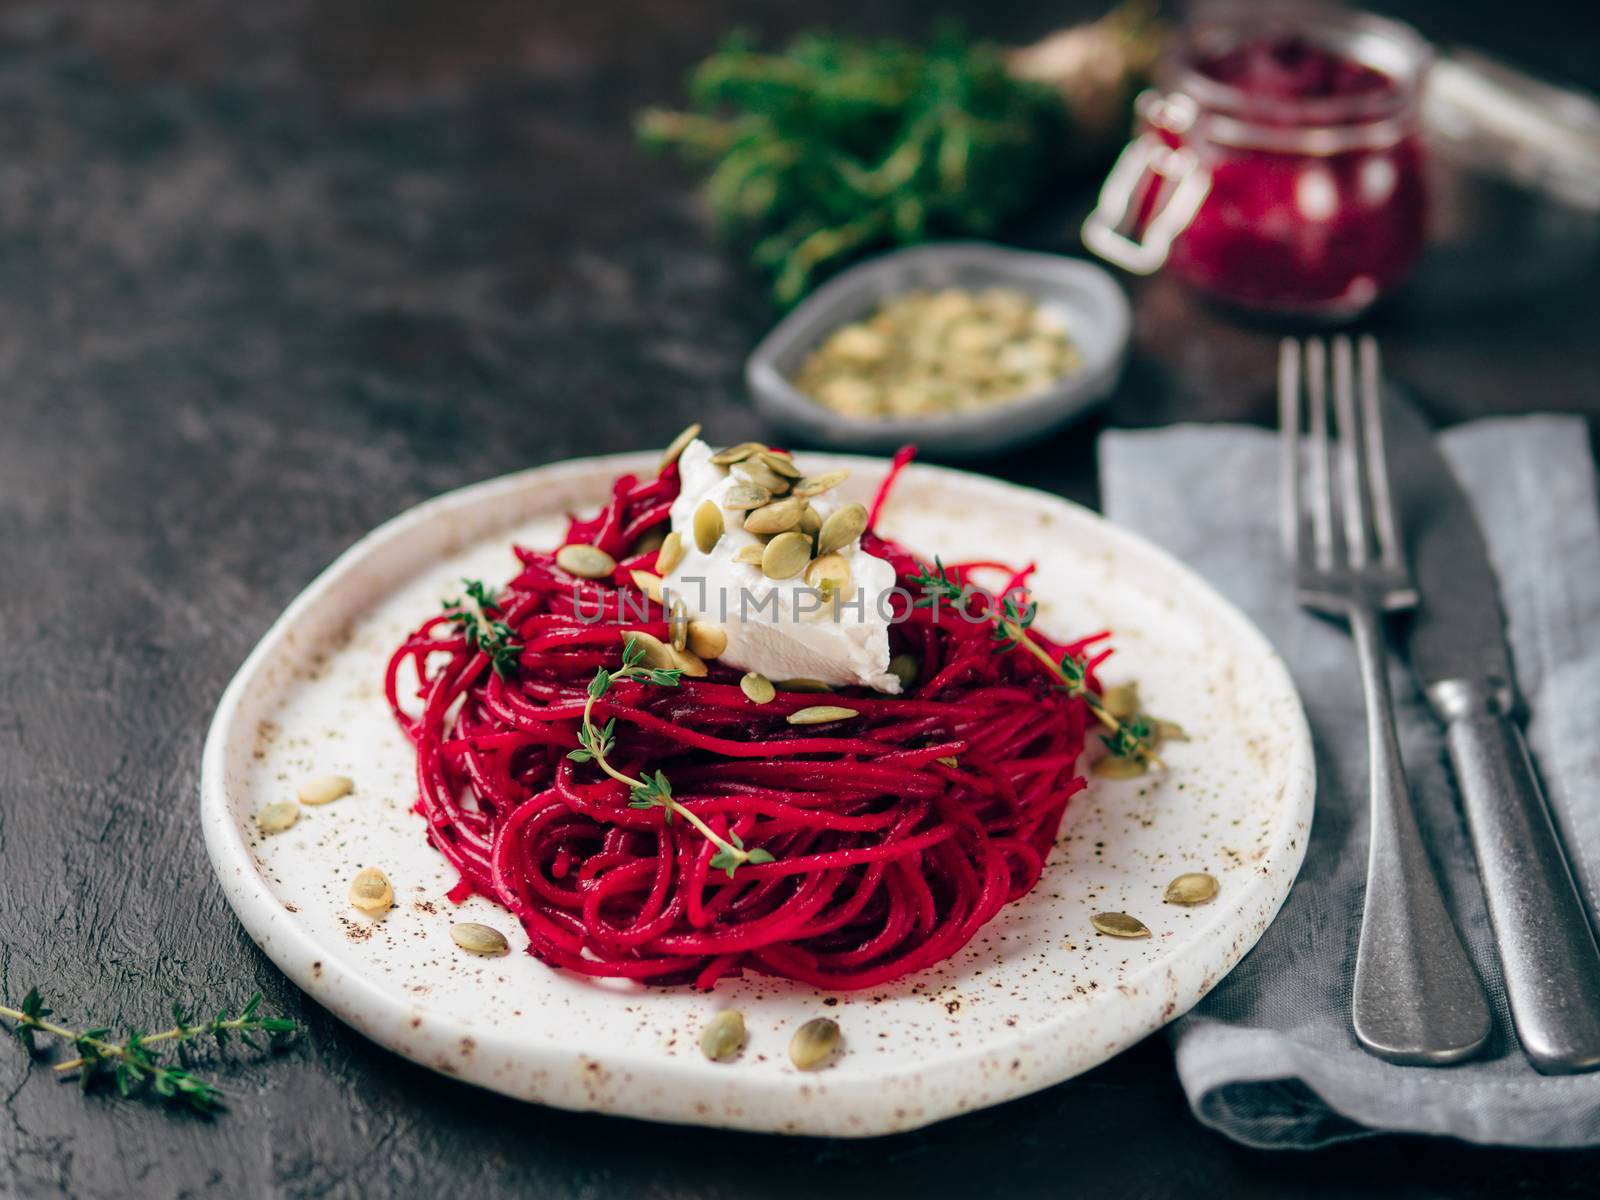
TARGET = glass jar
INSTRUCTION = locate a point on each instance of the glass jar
(1278, 165)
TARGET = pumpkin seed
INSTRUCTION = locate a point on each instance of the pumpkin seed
(1114, 766)
(786, 555)
(949, 760)
(690, 663)
(781, 464)
(325, 789)
(1117, 924)
(733, 454)
(802, 683)
(750, 554)
(829, 574)
(815, 485)
(707, 639)
(678, 445)
(585, 561)
(841, 528)
(905, 668)
(276, 818)
(813, 1042)
(670, 554)
(656, 653)
(810, 522)
(723, 1036)
(479, 939)
(650, 541)
(649, 583)
(1169, 731)
(775, 517)
(821, 714)
(1192, 887)
(1122, 701)
(753, 470)
(758, 688)
(678, 622)
(371, 891)
(742, 496)
(708, 526)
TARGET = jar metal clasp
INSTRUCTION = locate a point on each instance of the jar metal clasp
(1153, 191)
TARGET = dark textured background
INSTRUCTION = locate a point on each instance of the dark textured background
(270, 273)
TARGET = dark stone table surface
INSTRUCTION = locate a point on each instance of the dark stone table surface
(271, 273)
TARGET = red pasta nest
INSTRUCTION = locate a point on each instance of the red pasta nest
(886, 860)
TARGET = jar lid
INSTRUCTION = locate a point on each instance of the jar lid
(1489, 115)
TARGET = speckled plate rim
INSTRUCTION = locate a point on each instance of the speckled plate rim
(1055, 1051)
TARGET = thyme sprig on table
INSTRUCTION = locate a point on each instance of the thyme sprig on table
(470, 615)
(132, 1063)
(652, 791)
(1134, 739)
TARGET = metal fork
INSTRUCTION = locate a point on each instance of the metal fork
(1416, 997)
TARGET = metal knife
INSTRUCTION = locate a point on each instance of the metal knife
(1457, 647)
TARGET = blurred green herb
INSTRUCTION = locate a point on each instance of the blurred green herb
(133, 1064)
(833, 146)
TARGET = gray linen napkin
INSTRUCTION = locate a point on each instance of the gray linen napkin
(1268, 1057)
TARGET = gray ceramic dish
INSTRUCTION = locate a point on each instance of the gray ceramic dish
(1086, 298)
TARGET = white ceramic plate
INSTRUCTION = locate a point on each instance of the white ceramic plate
(1036, 998)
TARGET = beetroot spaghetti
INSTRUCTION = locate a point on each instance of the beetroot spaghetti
(842, 855)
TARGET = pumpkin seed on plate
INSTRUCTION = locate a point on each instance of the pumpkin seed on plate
(776, 517)
(905, 668)
(753, 470)
(708, 526)
(723, 1036)
(802, 683)
(585, 561)
(690, 663)
(707, 639)
(678, 622)
(815, 485)
(781, 464)
(1169, 731)
(742, 496)
(1192, 887)
(1114, 766)
(813, 1042)
(479, 939)
(829, 574)
(758, 688)
(810, 522)
(325, 789)
(656, 653)
(678, 445)
(371, 891)
(670, 554)
(786, 555)
(733, 454)
(1118, 924)
(750, 554)
(1122, 701)
(649, 583)
(276, 818)
(821, 714)
(841, 528)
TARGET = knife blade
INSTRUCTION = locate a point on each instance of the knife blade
(1457, 647)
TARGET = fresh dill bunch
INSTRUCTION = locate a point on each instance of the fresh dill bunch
(832, 146)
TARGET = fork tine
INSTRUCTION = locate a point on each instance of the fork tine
(1289, 444)
(1321, 461)
(1351, 468)
(1383, 512)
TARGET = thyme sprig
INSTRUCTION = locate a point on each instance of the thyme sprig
(471, 616)
(1012, 619)
(131, 1064)
(651, 791)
